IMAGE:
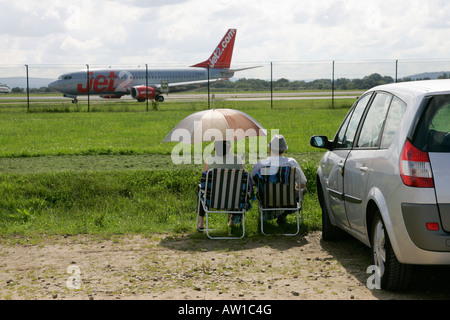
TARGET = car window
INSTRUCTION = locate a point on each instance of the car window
(441, 120)
(439, 129)
(348, 129)
(340, 141)
(373, 123)
(395, 115)
(433, 134)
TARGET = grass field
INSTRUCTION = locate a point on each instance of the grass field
(107, 172)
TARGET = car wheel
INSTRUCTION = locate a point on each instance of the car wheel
(394, 275)
(329, 231)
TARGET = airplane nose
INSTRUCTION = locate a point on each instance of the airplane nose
(53, 85)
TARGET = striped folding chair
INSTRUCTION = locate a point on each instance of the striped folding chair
(225, 191)
(276, 191)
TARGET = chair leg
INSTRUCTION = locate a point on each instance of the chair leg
(262, 212)
(283, 234)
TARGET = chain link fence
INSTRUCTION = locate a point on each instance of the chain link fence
(269, 81)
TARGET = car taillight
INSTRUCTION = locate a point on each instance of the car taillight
(415, 168)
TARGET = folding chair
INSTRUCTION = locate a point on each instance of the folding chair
(276, 191)
(225, 191)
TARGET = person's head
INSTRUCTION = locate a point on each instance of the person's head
(278, 145)
(222, 147)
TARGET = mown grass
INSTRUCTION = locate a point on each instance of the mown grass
(108, 172)
(84, 133)
(97, 202)
(107, 203)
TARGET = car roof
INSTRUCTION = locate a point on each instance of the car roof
(411, 90)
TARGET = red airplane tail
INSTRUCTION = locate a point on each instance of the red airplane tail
(221, 57)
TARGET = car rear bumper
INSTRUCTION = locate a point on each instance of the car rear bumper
(416, 217)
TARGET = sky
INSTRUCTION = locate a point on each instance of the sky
(185, 32)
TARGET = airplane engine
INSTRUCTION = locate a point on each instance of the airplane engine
(139, 93)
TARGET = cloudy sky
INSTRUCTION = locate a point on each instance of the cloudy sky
(186, 31)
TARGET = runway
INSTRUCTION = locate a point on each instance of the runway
(311, 95)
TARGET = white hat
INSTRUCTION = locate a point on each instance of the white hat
(278, 143)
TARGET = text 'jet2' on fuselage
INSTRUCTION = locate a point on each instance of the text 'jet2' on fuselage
(151, 83)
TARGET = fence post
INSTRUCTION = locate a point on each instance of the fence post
(332, 88)
(87, 84)
(28, 91)
(396, 70)
(208, 88)
(271, 85)
(146, 83)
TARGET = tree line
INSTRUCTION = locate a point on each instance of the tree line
(245, 84)
(365, 83)
(297, 85)
(32, 90)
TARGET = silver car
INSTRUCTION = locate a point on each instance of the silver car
(385, 178)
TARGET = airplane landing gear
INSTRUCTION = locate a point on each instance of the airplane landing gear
(74, 98)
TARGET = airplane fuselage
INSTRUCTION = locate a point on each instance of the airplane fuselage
(120, 81)
(146, 83)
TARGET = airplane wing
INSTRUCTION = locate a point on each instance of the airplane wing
(241, 69)
(189, 85)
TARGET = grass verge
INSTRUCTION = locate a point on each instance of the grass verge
(115, 202)
(108, 172)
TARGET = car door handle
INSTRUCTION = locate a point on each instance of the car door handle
(341, 165)
(364, 169)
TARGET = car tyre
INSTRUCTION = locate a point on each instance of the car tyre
(393, 275)
(329, 231)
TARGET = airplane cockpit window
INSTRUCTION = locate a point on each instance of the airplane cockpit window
(65, 77)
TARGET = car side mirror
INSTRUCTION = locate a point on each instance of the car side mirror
(320, 142)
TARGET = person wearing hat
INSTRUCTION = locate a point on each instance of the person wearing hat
(223, 159)
(278, 147)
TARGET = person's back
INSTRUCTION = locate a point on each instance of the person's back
(278, 147)
(222, 159)
(276, 160)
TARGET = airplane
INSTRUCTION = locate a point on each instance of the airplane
(113, 84)
(4, 89)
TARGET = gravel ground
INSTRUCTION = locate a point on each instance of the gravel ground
(169, 267)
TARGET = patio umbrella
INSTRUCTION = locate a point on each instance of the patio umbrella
(215, 124)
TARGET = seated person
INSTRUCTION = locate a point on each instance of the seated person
(222, 159)
(278, 147)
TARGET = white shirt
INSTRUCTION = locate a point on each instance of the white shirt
(279, 161)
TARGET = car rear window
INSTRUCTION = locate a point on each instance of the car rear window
(433, 133)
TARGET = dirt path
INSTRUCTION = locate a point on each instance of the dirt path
(179, 267)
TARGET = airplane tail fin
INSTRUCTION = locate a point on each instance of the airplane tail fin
(221, 57)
